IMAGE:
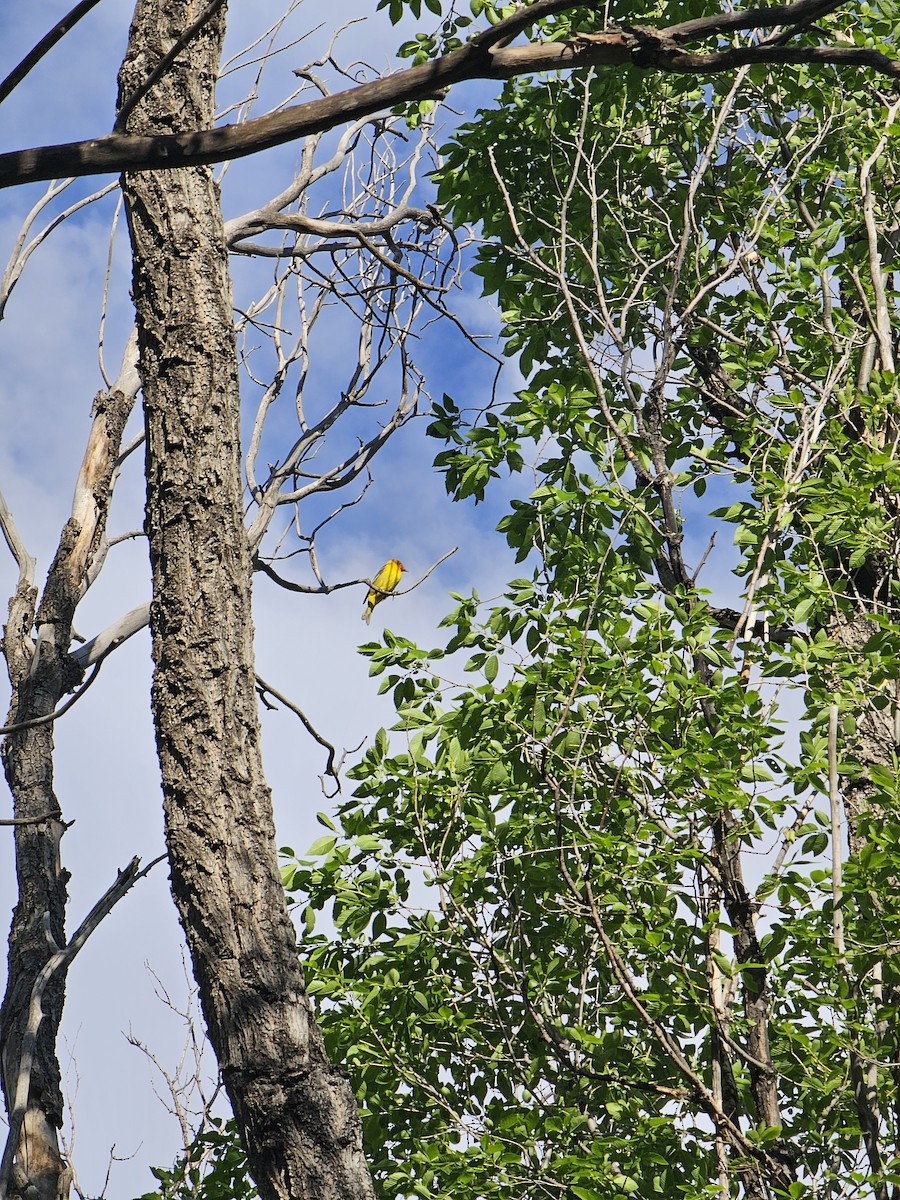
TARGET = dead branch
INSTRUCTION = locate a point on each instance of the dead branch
(38, 819)
(97, 648)
(484, 57)
(44, 46)
(327, 588)
(60, 960)
(49, 718)
(21, 253)
(187, 1089)
(26, 563)
(263, 689)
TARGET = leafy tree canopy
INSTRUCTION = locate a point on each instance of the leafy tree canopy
(616, 915)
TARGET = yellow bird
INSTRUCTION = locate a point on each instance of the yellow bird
(385, 581)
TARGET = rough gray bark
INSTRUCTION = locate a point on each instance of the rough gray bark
(41, 905)
(41, 673)
(295, 1110)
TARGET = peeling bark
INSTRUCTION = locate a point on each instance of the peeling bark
(41, 673)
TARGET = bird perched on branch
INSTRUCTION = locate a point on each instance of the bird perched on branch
(385, 581)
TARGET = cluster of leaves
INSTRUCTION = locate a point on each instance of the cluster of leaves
(560, 802)
(214, 1167)
(453, 27)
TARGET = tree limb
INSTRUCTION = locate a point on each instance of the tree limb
(44, 46)
(112, 637)
(58, 961)
(264, 689)
(26, 562)
(484, 57)
(48, 718)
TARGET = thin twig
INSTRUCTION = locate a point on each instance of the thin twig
(266, 688)
(325, 589)
(33, 722)
(60, 960)
(834, 797)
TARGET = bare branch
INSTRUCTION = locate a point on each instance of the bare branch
(187, 1099)
(60, 960)
(21, 253)
(44, 46)
(327, 588)
(33, 722)
(834, 799)
(484, 57)
(882, 323)
(26, 564)
(800, 13)
(101, 332)
(265, 689)
(35, 820)
(97, 648)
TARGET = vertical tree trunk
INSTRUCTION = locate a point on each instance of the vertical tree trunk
(41, 673)
(296, 1111)
(40, 909)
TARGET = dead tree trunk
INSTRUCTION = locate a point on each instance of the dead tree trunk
(41, 672)
(296, 1111)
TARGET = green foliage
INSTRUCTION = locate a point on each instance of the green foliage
(584, 896)
(215, 1168)
(495, 1050)
(591, 938)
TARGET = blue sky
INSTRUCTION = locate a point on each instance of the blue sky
(106, 772)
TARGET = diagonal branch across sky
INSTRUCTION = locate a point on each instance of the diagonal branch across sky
(485, 56)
